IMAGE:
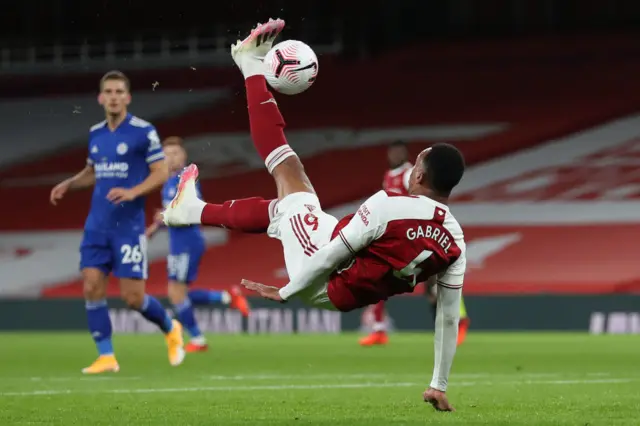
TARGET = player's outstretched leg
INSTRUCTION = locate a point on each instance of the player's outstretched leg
(379, 335)
(201, 297)
(250, 215)
(267, 131)
(133, 294)
(183, 311)
(232, 298)
(266, 122)
(154, 312)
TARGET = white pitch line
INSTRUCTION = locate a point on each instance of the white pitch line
(306, 387)
(259, 377)
(581, 382)
(214, 389)
(248, 377)
(330, 376)
(268, 376)
(547, 382)
(77, 378)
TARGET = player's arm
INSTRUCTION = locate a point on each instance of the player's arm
(158, 175)
(158, 168)
(83, 179)
(322, 263)
(155, 225)
(359, 233)
(447, 318)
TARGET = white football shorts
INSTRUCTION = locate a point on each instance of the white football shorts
(303, 228)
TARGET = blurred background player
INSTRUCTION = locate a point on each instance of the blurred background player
(186, 247)
(396, 180)
(125, 163)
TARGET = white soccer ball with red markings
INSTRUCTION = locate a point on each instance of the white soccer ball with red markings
(292, 67)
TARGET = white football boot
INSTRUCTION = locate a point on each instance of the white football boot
(249, 53)
(185, 208)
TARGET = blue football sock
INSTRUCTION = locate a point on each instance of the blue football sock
(100, 325)
(153, 311)
(184, 313)
(208, 297)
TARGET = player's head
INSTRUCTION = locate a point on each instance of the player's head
(115, 93)
(174, 153)
(397, 154)
(438, 170)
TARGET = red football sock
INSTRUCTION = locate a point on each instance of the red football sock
(266, 123)
(378, 312)
(251, 215)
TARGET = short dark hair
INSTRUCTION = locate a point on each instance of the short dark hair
(115, 75)
(398, 143)
(444, 168)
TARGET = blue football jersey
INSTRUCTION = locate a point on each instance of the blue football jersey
(120, 158)
(184, 238)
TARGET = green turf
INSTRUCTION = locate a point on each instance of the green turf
(498, 379)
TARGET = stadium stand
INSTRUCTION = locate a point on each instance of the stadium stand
(488, 98)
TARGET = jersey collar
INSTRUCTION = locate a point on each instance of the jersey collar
(442, 206)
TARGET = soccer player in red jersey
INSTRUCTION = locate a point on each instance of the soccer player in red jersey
(392, 243)
(396, 180)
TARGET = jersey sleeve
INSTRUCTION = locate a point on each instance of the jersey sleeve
(453, 276)
(154, 147)
(446, 336)
(90, 161)
(367, 225)
(322, 263)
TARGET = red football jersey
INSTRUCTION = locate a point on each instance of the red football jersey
(397, 180)
(397, 242)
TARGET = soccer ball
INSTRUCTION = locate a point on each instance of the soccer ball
(292, 67)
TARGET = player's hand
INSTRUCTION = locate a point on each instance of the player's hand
(151, 230)
(121, 195)
(266, 291)
(58, 192)
(438, 399)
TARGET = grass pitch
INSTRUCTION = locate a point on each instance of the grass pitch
(498, 379)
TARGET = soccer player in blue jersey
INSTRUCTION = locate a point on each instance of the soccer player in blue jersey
(186, 247)
(125, 163)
